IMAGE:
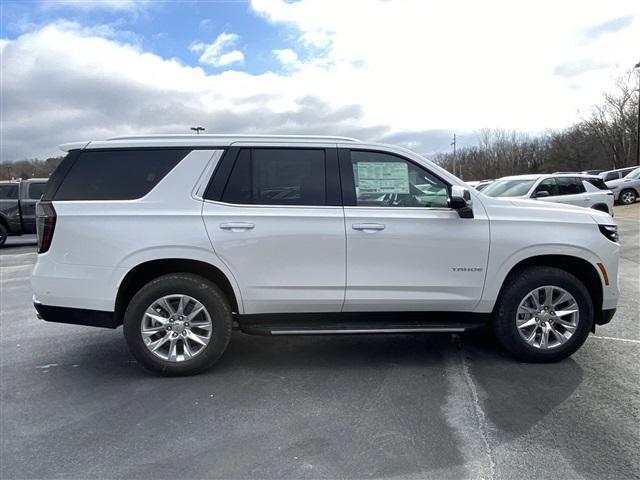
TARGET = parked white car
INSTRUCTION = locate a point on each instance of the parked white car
(180, 239)
(573, 189)
(626, 190)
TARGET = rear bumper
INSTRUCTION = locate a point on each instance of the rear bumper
(75, 316)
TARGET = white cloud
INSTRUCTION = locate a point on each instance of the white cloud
(406, 72)
(64, 82)
(464, 64)
(287, 57)
(218, 53)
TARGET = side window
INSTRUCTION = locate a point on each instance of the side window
(8, 192)
(383, 180)
(597, 182)
(611, 176)
(277, 176)
(117, 174)
(548, 185)
(569, 186)
(35, 190)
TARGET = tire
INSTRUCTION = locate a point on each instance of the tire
(627, 196)
(216, 316)
(3, 235)
(517, 290)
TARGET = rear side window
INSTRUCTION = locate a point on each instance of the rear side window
(35, 190)
(8, 192)
(117, 174)
(569, 186)
(597, 182)
(611, 176)
(277, 177)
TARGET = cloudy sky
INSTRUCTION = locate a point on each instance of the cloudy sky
(404, 72)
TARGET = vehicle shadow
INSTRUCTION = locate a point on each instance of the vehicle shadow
(517, 395)
(351, 404)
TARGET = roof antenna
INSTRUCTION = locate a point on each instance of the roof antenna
(197, 130)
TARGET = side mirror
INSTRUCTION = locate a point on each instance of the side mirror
(541, 194)
(460, 200)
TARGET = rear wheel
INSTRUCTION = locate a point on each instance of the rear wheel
(3, 235)
(178, 324)
(543, 315)
(627, 197)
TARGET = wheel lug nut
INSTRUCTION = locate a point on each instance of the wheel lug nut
(168, 327)
(184, 333)
(186, 324)
(175, 334)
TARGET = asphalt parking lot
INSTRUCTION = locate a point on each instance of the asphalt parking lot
(74, 403)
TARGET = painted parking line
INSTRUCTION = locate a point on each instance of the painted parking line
(629, 340)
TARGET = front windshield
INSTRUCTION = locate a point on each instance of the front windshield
(508, 188)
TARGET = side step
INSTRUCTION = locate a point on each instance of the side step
(356, 324)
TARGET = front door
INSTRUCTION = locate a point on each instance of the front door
(279, 227)
(406, 249)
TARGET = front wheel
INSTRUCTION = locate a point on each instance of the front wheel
(627, 197)
(178, 324)
(544, 314)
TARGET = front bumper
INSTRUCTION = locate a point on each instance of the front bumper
(75, 316)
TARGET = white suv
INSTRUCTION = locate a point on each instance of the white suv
(183, 238)
(587, 191)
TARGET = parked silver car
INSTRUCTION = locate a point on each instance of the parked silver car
(611, 175)
(626, 190)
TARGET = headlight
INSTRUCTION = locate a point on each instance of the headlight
(610, 231)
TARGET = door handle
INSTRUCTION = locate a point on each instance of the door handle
(237, 226)
(368, 226)
(587, 199)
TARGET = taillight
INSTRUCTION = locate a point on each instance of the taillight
(45, 225)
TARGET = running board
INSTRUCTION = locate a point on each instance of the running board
(356, 324)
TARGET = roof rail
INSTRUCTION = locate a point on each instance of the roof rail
(180, 136)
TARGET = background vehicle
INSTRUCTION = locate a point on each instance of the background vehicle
(478, 184)
(626, 190)
(207, 232)
(17, 207)
(573, 189)
(610, 175)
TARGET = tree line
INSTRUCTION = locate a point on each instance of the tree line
(605, 140)
(25, 169)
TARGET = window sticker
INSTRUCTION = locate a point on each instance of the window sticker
(383, 177)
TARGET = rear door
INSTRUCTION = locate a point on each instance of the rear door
(274, 217)
(406, 249)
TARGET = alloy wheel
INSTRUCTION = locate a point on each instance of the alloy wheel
(176, 328)
(627, 197)
(547, 317)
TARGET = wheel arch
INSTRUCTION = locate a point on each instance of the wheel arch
(582, 269)
(144, 272)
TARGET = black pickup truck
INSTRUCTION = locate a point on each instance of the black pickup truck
(18, 206)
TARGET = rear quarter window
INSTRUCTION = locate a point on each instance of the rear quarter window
(36, 190)
(597, 182)
(116, 174)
